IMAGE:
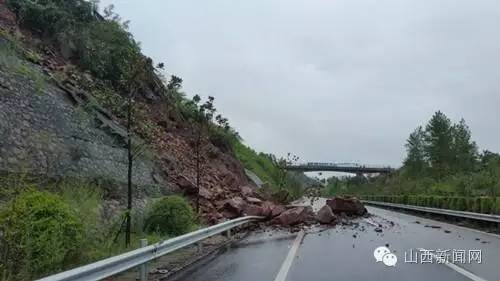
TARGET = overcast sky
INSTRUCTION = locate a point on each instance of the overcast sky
(339, 80)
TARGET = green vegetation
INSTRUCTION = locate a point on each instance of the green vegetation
(442, 162)
(58, 228)
(108, 51)
(171, 215)
(488, 205)
(105, 48)
(63, 225)
(102, 46)
(41, 233)
(267, 168)
(259, 163)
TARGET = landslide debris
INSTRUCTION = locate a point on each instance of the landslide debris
(336, 210)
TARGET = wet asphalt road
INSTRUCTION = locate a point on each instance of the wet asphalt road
(346, 252)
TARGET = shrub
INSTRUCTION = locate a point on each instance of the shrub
(108, 51)
(51, 16)
(171, 215)
(41, 234)
(461, 204)
(104, 47)
(486, 205)
(452, 203)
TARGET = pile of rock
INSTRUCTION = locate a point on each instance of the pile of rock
(334, 209)
(250, 206)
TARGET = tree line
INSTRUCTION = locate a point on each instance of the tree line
(440, 149)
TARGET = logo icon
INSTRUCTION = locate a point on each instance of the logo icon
(384, 255)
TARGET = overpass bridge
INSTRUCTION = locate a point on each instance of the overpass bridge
(339, 167)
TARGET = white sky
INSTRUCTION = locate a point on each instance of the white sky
(339, 80)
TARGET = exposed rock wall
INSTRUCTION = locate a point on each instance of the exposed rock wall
(42, 132)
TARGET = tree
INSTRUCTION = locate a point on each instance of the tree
(282, 163)
(438, 144)
(464, 150)
(175, 83)
(132, 84)
(203, 118)
(415, 162)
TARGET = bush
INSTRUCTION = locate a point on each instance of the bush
(108, 51)
(104, 47)
(487, 205)
(51, 16)
(41, 235)
(171, 215)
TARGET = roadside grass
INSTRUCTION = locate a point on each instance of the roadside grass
(102, 238)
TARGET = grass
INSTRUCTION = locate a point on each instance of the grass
(262, 165)
(102, 237)
(258, 163)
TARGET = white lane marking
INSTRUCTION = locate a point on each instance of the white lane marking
(287, 264)
(455, 267)
(437, 222)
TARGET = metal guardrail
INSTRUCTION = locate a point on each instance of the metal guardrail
(461, 214)
(113, 265)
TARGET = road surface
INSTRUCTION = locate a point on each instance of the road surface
(345, 252)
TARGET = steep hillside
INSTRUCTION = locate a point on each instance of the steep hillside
(66, 73)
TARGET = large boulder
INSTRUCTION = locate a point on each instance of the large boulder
(255, 210)
(233, 207)
(277, 210)
(349, 206)
(325, 215)
(262, 208)
(295, 216)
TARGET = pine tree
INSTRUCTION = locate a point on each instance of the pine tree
(464, 150)
(438, 144)
(415, 162)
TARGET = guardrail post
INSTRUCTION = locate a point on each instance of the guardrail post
(199, 247)
(143, 268)
(228, 236)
